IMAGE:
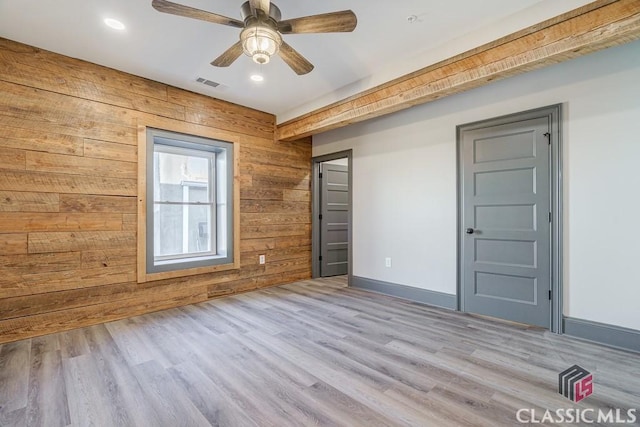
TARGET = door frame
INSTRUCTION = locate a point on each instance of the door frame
(316, 209)
(554, 114)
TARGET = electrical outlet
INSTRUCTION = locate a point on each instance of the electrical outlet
(262, 259)
(387, 262)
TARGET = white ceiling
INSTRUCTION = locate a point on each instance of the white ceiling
(177, 50)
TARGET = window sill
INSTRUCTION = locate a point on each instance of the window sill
(144, 277)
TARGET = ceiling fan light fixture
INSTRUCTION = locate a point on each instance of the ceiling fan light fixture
(260, 43)
(262, 30)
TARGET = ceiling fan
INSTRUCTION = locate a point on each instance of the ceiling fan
(262, 29)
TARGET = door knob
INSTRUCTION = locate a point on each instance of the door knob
(470, 231)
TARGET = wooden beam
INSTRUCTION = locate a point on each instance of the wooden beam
(594, 27)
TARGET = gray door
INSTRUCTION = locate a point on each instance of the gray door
(505, 219)
(334, 220)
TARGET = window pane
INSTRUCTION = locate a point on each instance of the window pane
(173, 172)
(197, 194)
(182, 230)
(167, 230)
(200, 229)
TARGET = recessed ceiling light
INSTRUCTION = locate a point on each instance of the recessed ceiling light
(256, 77)
(114, 23)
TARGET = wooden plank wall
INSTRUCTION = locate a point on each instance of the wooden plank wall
(68, 194)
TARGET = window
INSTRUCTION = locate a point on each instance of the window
(189, 205)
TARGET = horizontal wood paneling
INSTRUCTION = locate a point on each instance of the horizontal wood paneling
(64, 114)
(22, 221)
(272, 170)
(253, 219)
(12, 159)
(110, 150)
(257, 245)
(139, 303)
(129, 222)
(301, 242)
(71, 77)
(270, 206)
(79, 241)
(89, 203)
(30, 305)
(39, 140)
(297, 195)
(598, 25)
(68, 194)
(280, 157)
(15, 201)
(63, 183)
(251, 258)
(76, 298)
(40, 283)
(58, 163)
(261, 194)
(27, 264)
(13, 244)
(223, 115)
(256, 282)
(253, 232)
(108, 257)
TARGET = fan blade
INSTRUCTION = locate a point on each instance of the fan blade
(297, 62)
(190, 12)
(229, 56)
(263, 5)
(334, 22)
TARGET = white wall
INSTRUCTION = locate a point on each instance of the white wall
(404, 171)
(540, 11)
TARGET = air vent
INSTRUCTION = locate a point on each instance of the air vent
(207, 82)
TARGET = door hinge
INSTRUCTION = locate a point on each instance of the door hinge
(320, 217)
(548, 135)
(320, 175)
(550, 216)
(320, 258)
(549, 294)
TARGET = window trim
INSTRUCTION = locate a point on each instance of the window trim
(188, 129)
(178, 143)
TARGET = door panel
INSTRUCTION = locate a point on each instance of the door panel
(505, 176)
(506, 217)
(334, 236)
(509, 288)
(505, 182)
(510, 146)
(505, 252)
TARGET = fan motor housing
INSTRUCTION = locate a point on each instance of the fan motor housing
(274, 12)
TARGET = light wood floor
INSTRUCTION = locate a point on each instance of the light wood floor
(310, 353)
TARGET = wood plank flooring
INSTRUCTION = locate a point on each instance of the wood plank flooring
(309, 353)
